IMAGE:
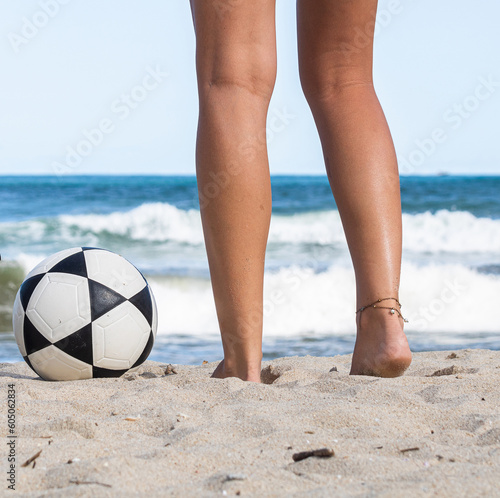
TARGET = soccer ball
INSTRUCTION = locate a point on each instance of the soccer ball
(84, 313)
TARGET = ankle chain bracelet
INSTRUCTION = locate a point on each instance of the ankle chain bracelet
(391, 309)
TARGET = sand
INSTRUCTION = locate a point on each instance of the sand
(433, 432)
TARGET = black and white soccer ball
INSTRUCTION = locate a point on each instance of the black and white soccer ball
(84, 313)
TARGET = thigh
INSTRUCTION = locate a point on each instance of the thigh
(335, 39)
(235, 43)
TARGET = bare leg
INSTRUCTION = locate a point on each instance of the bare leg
(236, 68)
(335, 56)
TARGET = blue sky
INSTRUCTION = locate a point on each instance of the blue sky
(126, 69)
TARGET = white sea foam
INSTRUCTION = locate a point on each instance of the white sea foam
(450, 231)
(149, 222)
(441, 232)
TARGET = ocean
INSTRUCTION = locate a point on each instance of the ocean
(450, 281)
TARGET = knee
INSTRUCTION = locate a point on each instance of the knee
(331, 82)
(235, 76)
(250, 84)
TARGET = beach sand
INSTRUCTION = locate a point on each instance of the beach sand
(433, 432)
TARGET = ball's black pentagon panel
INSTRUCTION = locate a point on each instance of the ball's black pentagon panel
(98, 372)
(27, 289)
(33, 340)
(145, 353)
(142, 301)
(74, 264)
(78, 344)
(83, 313)
(45, 265)
(102, 299)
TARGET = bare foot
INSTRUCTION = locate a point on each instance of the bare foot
(381, 347)
(222, 372)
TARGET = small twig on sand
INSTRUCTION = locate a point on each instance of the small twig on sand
(32, 459)
(76, 481)
(323, 452)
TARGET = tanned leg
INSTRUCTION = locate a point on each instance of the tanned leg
(236, 68)
(335, 55)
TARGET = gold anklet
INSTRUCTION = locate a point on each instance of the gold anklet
(392, 310)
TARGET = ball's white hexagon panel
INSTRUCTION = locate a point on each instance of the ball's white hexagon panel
(45, 265)
(53, 364)
(119, 337)
(59, 305)
(154, 325)
(114, 271)
(18, 323)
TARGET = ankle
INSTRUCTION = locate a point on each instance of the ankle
(382, 309)
(244, 370)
